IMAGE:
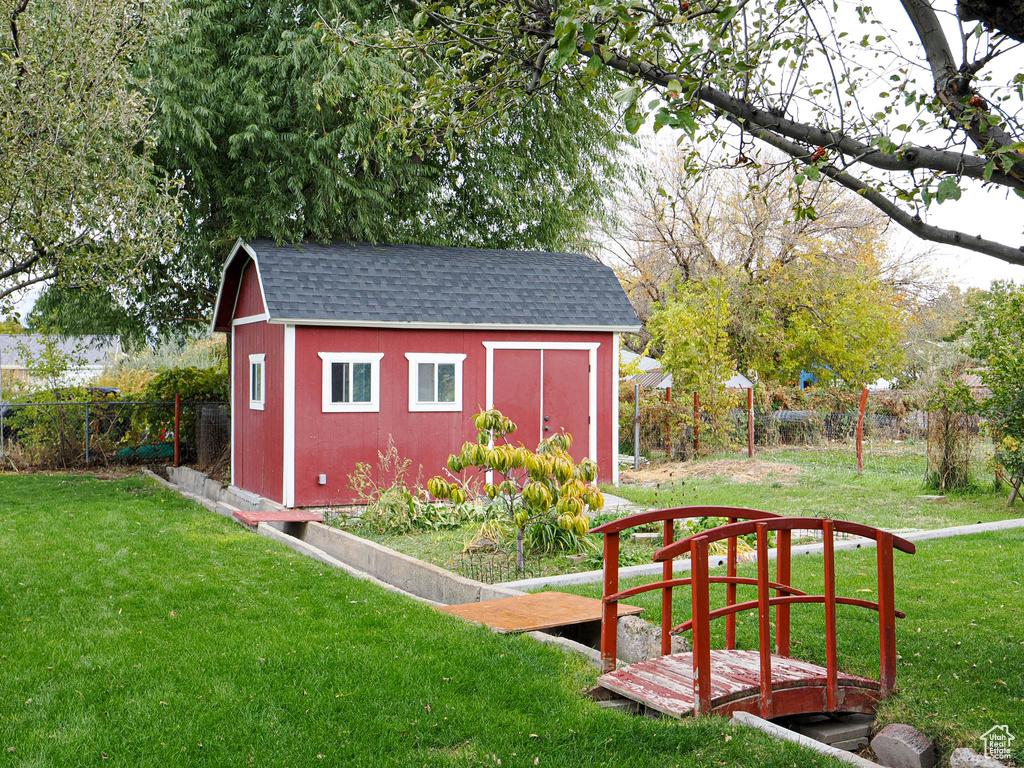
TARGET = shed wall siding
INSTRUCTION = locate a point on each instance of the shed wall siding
(259, 435)
(250, 296)
(333, 443)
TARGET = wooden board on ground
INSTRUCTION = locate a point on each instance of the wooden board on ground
(541, 610)
(282, 516)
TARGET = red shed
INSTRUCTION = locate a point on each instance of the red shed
(335, 349)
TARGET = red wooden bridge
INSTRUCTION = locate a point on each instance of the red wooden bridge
(767, 682)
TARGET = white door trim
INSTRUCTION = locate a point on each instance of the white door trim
(288, 475)
(615, 409)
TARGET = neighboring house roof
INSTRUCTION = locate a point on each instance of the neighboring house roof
(658, 379)
(428, 286)
(85, 350)
(644, 363)
(738, 381)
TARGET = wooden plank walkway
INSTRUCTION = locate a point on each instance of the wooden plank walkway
(253, 517)
(665, 684)
(541, 610)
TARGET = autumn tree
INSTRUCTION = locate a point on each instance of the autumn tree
(691, 329)
(80, 198)
(835, 89)
(822, 292)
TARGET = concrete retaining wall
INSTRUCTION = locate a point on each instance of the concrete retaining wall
(408, 574)
(201, 485)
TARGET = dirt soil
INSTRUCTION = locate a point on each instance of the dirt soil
(736, 470)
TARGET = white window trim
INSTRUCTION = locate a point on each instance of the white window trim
(415, 358)
(373, 358)
(258, 405)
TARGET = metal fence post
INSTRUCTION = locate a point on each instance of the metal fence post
(750, 422)
(860, 430)
(177, 429)
(636, 426)
(696, 424)
(87, 434)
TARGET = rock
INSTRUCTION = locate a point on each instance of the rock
(638, 640)
(903, 746)
(968, 758)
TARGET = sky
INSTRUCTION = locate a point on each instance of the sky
(995, 214)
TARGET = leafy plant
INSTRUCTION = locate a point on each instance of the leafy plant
(952, 422)
(537, 487)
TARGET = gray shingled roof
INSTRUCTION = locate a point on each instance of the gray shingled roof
(424, 284)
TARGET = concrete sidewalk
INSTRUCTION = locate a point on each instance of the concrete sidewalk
(683, 566)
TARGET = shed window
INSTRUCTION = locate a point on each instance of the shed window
(351, 381)
(257, 381)
(435, 382)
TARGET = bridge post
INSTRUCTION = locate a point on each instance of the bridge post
(886, 617)
(783, 575)
(764, 627)
(730, 591)
(701, 618)
(666, 593)
(610, 611)
(831, 650)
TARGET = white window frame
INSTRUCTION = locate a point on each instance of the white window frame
(258, 404)
(329, 358)
(415, 358)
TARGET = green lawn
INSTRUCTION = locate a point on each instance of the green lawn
(137, 629)
(887, 495)
(962, 643)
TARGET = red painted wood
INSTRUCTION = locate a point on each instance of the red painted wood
(779, 524)
(250, 295)
(771, 685)
(783, 573)
(666, 684)
(682, 582)
(831, 651)
(332, 443)
(610, 617)
(886, 616)
(750, 605)
(700, 598)
(764, 628)
(668, 534)
(730, 592)
(682, 513)
(259, 435)
(517, 392)
(254, 517)
(566, 397)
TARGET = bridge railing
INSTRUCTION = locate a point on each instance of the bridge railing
(743, 522)
(668, 518)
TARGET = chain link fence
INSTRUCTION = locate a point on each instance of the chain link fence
(71, 435)
(677, 429)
